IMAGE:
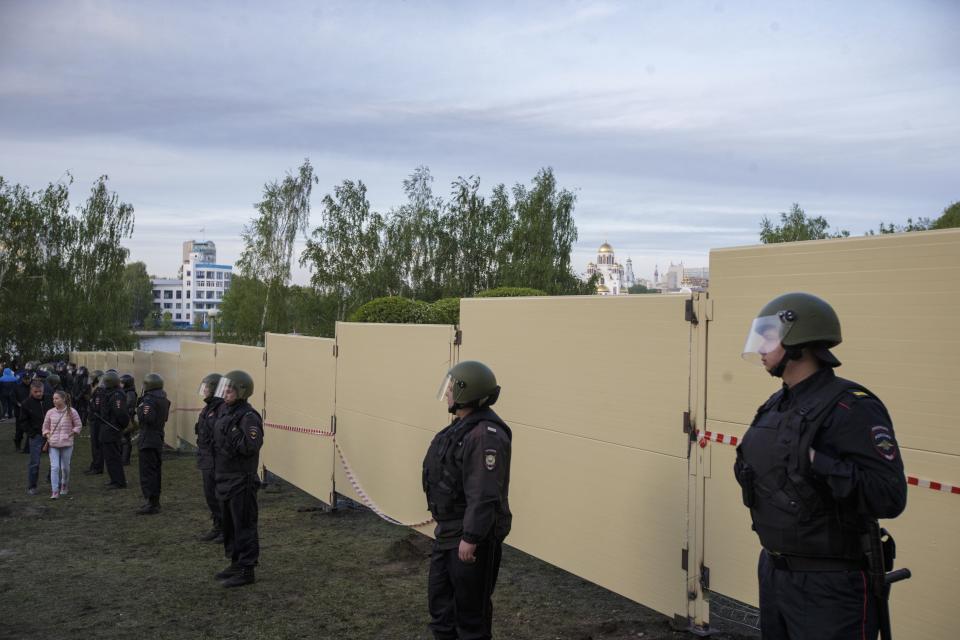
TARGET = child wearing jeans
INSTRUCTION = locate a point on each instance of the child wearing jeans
(60, 425)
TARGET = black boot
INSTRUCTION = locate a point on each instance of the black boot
(229, 572)
(214, 535)
(149, 508)
(243, 578)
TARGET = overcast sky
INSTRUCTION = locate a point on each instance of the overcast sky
(679, 124)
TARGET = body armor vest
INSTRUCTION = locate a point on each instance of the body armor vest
(228, 462)
(793, 512)
(443, 466)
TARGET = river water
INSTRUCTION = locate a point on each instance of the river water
(168, 343)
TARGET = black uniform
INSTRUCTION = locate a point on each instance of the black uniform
(153, 411)
(113, 418)
(811, 517)
(126, 442)
(20, 394)
(206, 455)
(81, 396)
(238, 436)
(466, 477)
(97, 399)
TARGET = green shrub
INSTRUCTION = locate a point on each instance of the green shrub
(510, 292)
(445, 311)
(394, 309)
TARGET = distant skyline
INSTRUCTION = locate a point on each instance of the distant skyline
(678, 124)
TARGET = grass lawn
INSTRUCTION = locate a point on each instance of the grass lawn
(85, 566)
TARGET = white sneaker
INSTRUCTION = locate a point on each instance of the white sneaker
(63, 490)
(54, 495)
(32, 491)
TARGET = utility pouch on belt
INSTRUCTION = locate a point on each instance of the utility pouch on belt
(745, 478)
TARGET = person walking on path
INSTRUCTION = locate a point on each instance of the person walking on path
(33, 411)
(60, 426)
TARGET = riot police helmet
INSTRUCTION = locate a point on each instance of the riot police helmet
(152, 381)
(126, 380)
(208, 386)
(470, 384)
(111, 379)
(239, 381)
(795, 320)
(54, 380)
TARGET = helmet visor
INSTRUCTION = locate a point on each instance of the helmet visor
(206, 390)
(444, 385)
(766, 334)
(225, 383)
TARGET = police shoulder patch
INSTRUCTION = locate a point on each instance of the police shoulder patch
(490, 459)
(884, 443)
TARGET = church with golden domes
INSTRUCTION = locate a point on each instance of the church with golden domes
(615, 278)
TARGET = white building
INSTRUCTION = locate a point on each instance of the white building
(202, 287)
(680, 277)
(615, 279)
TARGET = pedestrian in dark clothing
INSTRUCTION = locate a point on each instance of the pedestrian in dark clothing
(466, 479)
(238, 437)
(98, 397)
(153, 410)
(206, 455)
(8, 387)
(21, 393)
(113, 419)
(33, 411)
(818, 467)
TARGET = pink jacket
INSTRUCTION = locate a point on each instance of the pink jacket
(60, 426)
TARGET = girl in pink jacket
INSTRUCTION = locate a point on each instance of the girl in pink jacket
(60, 425)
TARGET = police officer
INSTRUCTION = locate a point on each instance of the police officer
(130, 393)
(97, 396)
(238, 436)
(113, 417)
(205, 452)
(153, 410)
(20, 394)
(466, 477)
(818, 466)
(81, 393)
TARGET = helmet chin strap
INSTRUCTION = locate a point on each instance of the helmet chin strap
(790, 353)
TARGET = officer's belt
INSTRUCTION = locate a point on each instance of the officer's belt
(804, 563)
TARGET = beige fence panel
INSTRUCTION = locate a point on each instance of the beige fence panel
(110, 360)
(197, 359)
(125, 365)
(249, 359)
(299, 414)
(595, 390)
(896, 296)
(142, 365)
(99, 360)
(168, 366)
(387, 411)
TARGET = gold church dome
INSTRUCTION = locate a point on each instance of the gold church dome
(605, 248)
(602, 288)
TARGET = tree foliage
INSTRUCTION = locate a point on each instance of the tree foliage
(949, 219)
(139, 291)
(283, 214)
(639, 288)
(295, 309)
(62, 282)
(795, 226)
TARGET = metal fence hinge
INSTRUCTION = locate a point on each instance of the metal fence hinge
(333, 424)
(264, 357)
(336, 350)
(458, 337)
(704, 577)
(688, 313)
(684, 554)
(687, 423)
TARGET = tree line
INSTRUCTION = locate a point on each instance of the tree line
(426, 249)
(62, 283)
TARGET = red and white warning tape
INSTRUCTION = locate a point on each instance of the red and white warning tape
(708, 436)
(191, 409)
(293, 429)
(348, 471)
